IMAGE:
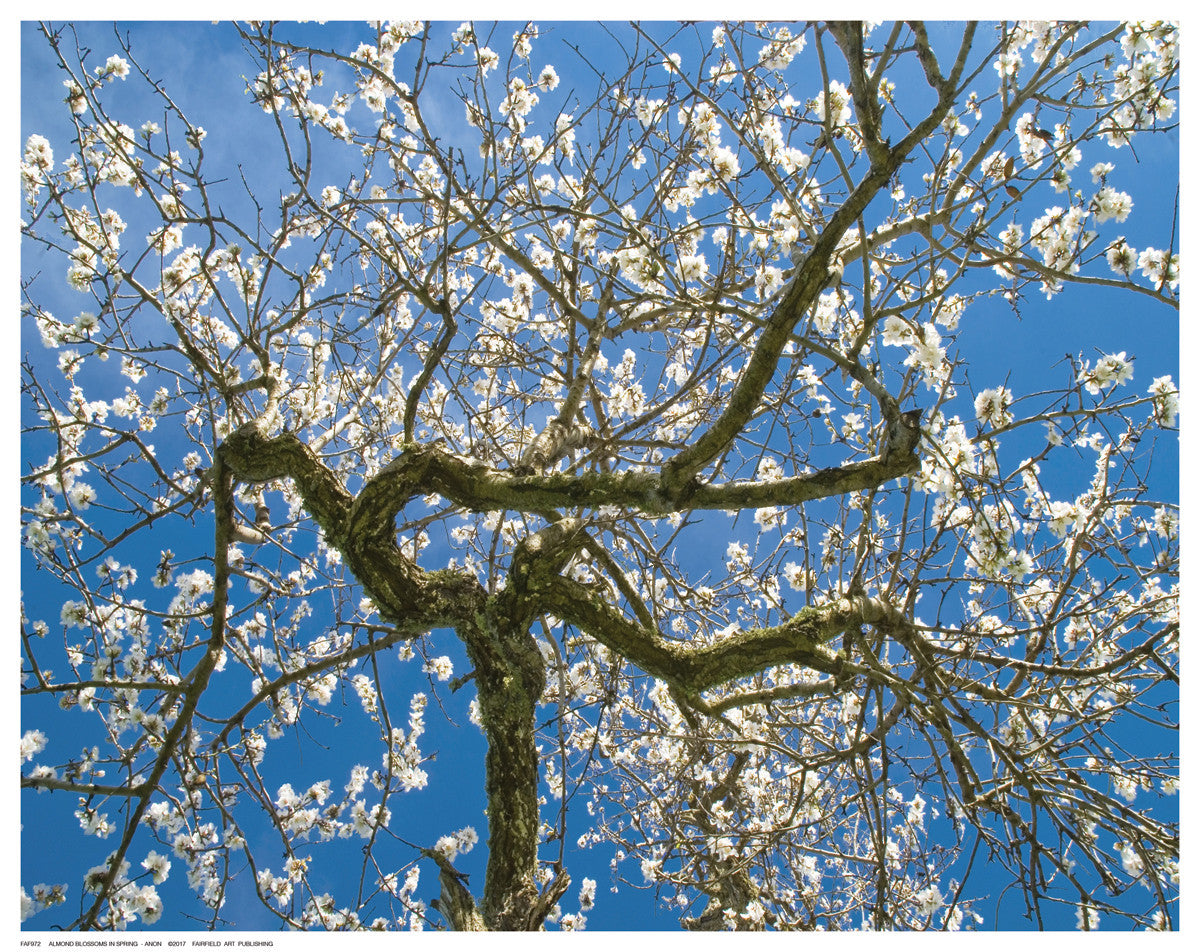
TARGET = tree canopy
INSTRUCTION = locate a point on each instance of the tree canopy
(727, 433)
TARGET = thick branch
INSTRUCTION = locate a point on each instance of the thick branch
(480, 488)
(849, 37)
(254, 458)
(362, 529)
(803, 639)
(811, 277)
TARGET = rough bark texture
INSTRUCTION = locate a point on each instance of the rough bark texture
(509, 669)
(510, 679)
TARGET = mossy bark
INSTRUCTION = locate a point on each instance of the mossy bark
(509, 670)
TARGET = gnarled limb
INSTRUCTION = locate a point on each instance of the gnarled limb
(802, 640)
(810, 279)
(509, 671)
(365, 521)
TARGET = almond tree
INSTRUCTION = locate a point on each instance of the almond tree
(663, 386)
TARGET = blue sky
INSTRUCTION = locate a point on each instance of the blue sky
(204, 70)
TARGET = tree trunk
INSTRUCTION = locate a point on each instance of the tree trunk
(510, 677)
